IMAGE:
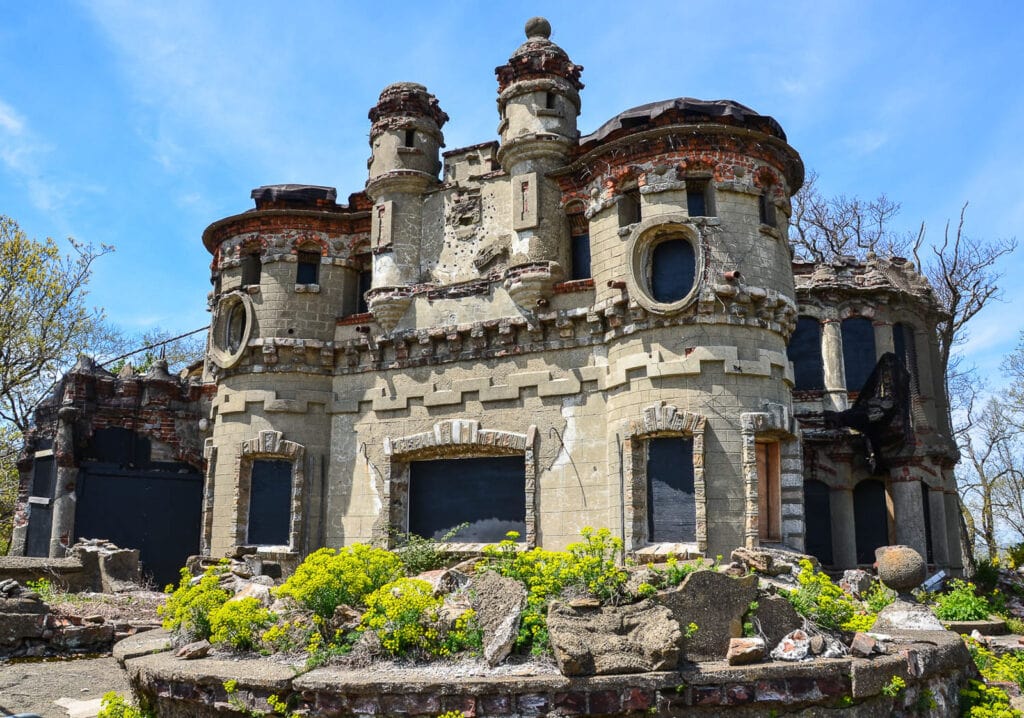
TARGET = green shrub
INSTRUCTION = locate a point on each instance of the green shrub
(588, 566)
(827, 605)
(113, 705)
(419, 554)
(188, 607)
(986, 575)
(1015, 556)
(1008, 668)
(405, 616)
(44, 588)
(328, 578)
(978, 700)
(878, 597)
(961, 603)
(239, 623)
(675, 571)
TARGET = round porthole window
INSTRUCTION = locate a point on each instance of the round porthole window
(664, 257)
(232, 328)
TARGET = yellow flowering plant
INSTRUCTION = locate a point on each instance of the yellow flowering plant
(329, 578)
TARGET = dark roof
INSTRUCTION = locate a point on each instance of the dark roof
(687, 110)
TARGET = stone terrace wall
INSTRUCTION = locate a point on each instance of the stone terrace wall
(936, 662)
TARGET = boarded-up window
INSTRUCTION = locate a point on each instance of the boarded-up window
(307, 271)
(270, 502)
(40, 523)
(870, 518)
(858, 351)
(673, 264)
(769, 494)
(487, 493)
(818, 520)
(671, 506)
(42, 477)
(805, 352)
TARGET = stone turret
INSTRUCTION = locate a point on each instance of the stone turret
(405, 140)
(538, 101)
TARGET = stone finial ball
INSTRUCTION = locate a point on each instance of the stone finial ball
(901, 568)
(538, 27)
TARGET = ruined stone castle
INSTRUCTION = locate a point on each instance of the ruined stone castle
(535, 334)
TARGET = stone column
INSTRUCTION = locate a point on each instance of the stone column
(937, 513)
(844, 532)
(956, 561)
(909, 510)
(63, 528)
(883, 338)
(832, 358)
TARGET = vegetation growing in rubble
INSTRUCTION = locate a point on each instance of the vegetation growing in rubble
(239, 623)
(979, 700)
(113, 705)
(587, 567)
(826, 604)
(405, 615)
(190, 606)
(962, 603)
(329, 578)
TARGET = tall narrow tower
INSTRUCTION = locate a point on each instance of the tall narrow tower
(538, 101)
(405, 140)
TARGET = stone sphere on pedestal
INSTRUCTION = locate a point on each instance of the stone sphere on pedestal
(901, 568)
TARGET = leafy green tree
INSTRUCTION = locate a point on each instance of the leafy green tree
(44, 323)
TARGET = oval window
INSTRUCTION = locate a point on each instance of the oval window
(235, 328)
(672, 269)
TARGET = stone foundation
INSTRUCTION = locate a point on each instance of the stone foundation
(934, 665)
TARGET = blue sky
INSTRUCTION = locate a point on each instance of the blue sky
(138, 124)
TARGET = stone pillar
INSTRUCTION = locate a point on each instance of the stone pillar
(844, 532)
(883, 338)
(956, 561)
(834, 370)
(937, 513)
(909, 511)
(63, 527)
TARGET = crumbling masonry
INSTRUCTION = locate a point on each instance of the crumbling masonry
(553, 331)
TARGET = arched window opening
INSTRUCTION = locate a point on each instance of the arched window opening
(805, 352)
(579, 231)
(858, 351)
(906, 351)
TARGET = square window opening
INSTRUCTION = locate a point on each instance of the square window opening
(629, 208)
(699, 202)
(487, 494)
(270, 502)
(671, 503)
(410, 138)
(307, 271)
(251, 269)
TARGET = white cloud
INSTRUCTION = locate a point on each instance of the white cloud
(10, 121)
